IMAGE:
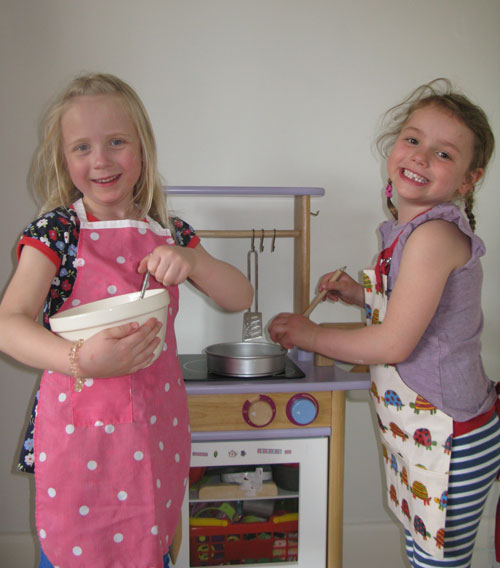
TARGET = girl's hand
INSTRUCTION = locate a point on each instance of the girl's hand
(345, 289)
(223, 283)
(169, 265)
(290, 330)
(119, 350)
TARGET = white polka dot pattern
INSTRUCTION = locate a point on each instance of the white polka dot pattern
(128, 473)
(122, 495)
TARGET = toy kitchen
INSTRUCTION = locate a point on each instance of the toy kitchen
(267, 455)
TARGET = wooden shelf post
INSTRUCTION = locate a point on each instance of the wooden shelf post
(302, 244)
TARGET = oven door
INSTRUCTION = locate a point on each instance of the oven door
(266, 514)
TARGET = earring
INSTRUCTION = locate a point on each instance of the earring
(388, 189)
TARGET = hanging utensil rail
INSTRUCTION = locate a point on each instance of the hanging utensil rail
(300, 233)
(243, 234)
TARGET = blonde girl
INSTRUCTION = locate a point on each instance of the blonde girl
(111, 460)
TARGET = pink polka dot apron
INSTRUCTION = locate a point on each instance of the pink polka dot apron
(112, 460)
(415, 437)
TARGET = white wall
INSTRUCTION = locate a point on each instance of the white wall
(261, 92)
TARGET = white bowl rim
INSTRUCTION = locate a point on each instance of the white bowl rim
(83, 316)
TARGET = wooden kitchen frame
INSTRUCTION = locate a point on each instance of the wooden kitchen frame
(222, 412)
(301, 232)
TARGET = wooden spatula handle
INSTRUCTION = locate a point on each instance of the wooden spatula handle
(317, 299)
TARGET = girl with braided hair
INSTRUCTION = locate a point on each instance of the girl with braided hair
(437, 410)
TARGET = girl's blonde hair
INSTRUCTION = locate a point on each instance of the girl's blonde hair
(49, 178)
(440, 93)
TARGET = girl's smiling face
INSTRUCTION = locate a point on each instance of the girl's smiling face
(102, 152)
(430, 160)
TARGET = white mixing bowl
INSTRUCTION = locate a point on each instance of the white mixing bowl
(86, 320)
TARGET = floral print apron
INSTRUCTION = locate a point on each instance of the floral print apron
(112, 461)
(415, 437)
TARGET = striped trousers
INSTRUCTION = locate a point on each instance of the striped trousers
(475, 463)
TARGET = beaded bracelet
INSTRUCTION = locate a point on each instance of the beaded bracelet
(73, 365)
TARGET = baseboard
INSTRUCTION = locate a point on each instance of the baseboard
(18, 549)
(378, 545)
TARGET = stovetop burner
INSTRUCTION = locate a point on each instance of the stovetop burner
(194, 368)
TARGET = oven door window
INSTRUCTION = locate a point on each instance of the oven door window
(244, 514)
(257, 502)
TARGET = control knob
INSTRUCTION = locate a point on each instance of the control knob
(302, 409)
(259, 411)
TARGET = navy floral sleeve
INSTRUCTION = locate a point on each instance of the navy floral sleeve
(56, 234)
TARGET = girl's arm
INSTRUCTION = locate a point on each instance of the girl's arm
(220, 281)
(431, 252)
(113, 352)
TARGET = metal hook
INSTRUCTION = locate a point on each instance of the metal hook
(273, 242)
(261, 246)
(252, 246)
(315, 214)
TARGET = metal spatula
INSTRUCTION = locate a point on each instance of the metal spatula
(252, 321)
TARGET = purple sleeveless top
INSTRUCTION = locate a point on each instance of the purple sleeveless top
(445, 366)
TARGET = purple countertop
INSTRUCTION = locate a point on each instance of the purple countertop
(241, 190)
(316, 379)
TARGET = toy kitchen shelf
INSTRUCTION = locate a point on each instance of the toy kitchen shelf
(215, 406)
(300, 232)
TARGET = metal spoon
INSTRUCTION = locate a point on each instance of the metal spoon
(144, 285)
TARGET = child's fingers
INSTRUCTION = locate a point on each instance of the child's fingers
(278, 326)
(143, 265)
(128, 329)
(323, 281)
(121, 331)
